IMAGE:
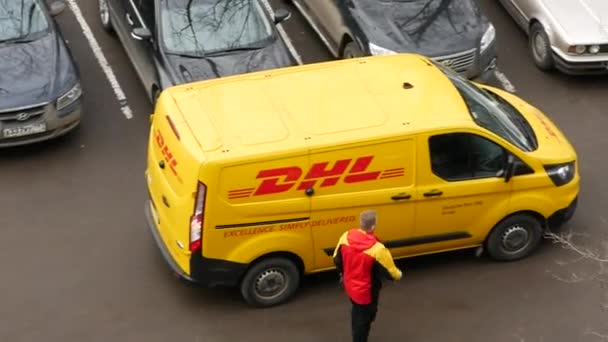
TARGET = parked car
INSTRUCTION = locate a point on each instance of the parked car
(571, 36)
(171, 42)
(454, 32)
(40, 92)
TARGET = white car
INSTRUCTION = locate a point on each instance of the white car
(570, 35)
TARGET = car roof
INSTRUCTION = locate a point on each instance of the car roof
(321, 104)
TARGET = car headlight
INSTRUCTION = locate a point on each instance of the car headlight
(488, 37)
(561, 174)
(69, 97)
(379, 50)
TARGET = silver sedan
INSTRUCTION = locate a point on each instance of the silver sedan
(570, 35)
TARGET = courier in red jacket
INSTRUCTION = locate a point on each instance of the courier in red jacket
(363, 262)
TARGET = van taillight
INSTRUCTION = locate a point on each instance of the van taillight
(196, 221)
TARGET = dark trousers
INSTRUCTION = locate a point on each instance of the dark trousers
(362, 317)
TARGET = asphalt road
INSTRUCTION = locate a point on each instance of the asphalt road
(78, 263)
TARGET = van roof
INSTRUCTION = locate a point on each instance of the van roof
(316, 105)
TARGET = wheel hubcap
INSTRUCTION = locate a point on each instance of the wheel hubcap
(515, 239)
(103, 11)
(271, 283)
(540, 47)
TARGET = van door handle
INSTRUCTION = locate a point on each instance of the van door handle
(401, 196)
(433, 193)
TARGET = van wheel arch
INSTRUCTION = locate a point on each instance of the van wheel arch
(289, 262)
(533, 222)
(286, 255)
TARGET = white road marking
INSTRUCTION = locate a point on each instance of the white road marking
(502, 78)
(283, 34)
(101, 59)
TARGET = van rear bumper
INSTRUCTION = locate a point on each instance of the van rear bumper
(205, 272)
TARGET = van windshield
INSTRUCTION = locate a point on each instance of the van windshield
(493, 113)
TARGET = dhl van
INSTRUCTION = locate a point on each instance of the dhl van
(253, 178)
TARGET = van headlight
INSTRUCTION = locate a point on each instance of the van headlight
(377, 50)
(487, 38)
(561, 174)
(69, 97)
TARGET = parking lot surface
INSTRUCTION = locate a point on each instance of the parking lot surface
(78, 263)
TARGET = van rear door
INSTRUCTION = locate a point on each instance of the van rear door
(174, 160)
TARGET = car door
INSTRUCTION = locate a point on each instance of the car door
(346, 181)
(519, 10)
(129, 15)
(461, 193)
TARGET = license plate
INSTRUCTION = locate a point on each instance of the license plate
(20, 131)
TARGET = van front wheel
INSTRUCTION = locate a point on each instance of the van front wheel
(514, 238)
(270, 282)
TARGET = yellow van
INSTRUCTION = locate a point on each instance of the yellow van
(253, 178)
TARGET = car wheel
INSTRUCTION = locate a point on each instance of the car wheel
(270, 282)
(514, 238)
(104, 15)
(351, 50)
(540, 47)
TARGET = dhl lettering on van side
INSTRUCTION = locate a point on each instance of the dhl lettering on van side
(283, 179)
(164, 150)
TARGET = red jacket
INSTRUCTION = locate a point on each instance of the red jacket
(363, 262)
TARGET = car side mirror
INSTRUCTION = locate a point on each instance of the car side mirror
(281, 15)
(56, 7)
(141, 33)
(509, 168)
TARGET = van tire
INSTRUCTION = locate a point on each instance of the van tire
(267, 272)
(514, 238)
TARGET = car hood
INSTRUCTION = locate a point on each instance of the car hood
(433, 28)
(588, 26)
(27, 72)
(191, 69)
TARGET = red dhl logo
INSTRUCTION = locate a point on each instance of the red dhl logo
(164, 150)
(287, 178)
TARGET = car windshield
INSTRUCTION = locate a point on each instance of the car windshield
(424, 19)
(204, 27)
(493, 113)
(21, 20)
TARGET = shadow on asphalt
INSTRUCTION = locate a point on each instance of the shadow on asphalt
(326, 283)
(65, 143)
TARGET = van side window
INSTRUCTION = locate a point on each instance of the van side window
(463, 156)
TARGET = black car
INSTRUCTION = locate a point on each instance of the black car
(454, 32)
(40, 93)
(172, 42)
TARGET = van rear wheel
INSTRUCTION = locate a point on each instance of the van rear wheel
(514, 238)
(270, 282)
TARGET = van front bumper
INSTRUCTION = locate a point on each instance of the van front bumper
(557, 220)
(203, 271)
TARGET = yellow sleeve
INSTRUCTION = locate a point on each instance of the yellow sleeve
(343, 241)
(385, 259)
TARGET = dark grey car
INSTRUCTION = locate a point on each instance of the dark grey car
(171, 42)
(454, 32)
(40, 93)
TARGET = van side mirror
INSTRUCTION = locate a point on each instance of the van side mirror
(141, 33)
(509, 168)
(56, 7)
(281, 15)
